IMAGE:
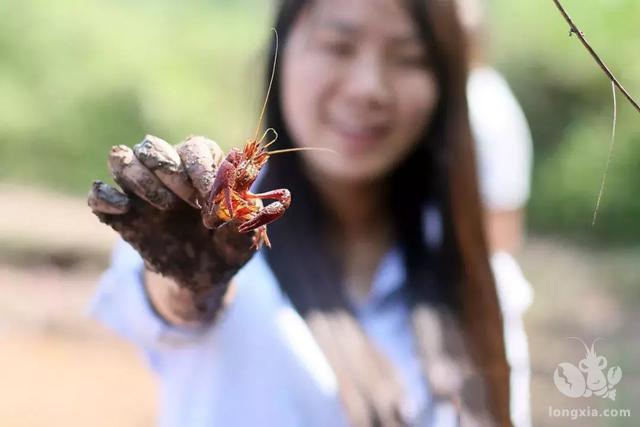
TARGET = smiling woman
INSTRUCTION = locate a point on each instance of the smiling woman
(376, 305)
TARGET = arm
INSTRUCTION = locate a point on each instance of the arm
(504, 229)
(178, 306)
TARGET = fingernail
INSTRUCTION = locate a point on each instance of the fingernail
(106, 199)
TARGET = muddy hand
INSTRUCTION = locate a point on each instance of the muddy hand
(156, 211)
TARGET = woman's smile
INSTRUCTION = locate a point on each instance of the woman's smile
(358, 138)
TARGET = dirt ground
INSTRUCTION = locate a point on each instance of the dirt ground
(60, 368)
(57, 366)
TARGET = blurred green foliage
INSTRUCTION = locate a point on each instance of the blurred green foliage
(568, 102)
(79, 77)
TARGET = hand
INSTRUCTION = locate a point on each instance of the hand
(158, 211)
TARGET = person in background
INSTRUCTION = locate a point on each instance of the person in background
(364, 312)
(504, 152)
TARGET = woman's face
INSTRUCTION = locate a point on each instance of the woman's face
(356, 79)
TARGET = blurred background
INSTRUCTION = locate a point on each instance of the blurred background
(78, 77)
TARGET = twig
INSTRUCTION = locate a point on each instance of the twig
(606, 168)
(575, 30)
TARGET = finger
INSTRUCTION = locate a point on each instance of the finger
(163, 160)
(200, 157)
(133, 177)
(107, 200)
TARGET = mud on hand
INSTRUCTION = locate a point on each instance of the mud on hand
(157, 211)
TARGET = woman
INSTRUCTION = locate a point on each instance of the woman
(376, 305)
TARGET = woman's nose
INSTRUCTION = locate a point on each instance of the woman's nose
(367, 83)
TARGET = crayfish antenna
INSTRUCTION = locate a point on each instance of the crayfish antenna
(266, 98)
(264, 135)
(290, 150)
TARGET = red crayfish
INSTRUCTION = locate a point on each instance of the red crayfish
(230, 197)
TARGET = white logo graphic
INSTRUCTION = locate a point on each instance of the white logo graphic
(572, 382)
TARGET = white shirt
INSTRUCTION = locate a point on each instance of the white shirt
(502, 140)
(259, 364)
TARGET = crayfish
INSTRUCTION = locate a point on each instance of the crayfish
(230, 197)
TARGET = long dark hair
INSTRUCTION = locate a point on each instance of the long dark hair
(455, 274)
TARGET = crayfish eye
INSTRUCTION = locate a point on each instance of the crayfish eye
(234, 156)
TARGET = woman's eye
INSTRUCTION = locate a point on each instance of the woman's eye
(413, 60)
(338, 48)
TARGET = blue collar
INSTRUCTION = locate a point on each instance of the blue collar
(388, 280)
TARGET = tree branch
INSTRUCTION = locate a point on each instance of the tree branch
(575, 30)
